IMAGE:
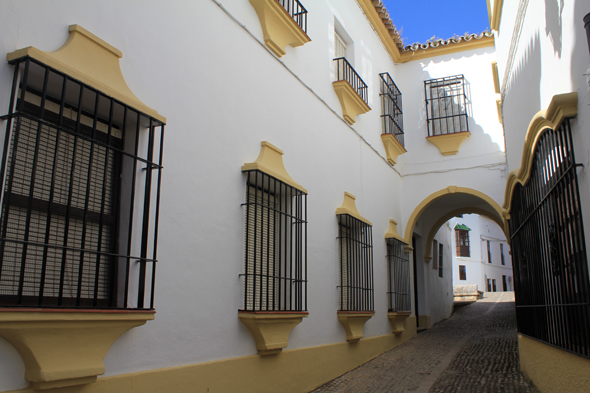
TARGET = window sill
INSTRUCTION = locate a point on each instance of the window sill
(271, 329)
(352, 104)
(398, 321)
(278, 27)
(448, 144)
(354, 322)
(393, 148)
(65, 347)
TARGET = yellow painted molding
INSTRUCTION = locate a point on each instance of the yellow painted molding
(392, 232)
(448, 144)
(92, 61)
(496, 14)
(408, 249)
(253, 373)
(496, 77)
(553, 370)
(422, 206)
(424, 321)
(375, 20)
(65, 348)
(398, 321)
(392, 148)
(561, 106)
(353, 323)
(499, 109)
(464, 210)
(441, 50)
(279, 28)
(271, 329)
(351, 102)
(349, 207)
(270, 161)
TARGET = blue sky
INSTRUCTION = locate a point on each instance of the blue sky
(421, 19)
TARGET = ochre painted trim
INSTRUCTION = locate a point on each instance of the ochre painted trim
(418, 210)
(353, 323)
(375, 20)
(446, 217)
(294, 371)
(560, 107)
(496, 77)
(441, 50)
(65, 348)
(552, 370)
(271, 329)
(270, 161)
(499, 110)
(279, 28)
(424, 321)
(448, 144)
(398, 321)
(392, 232)
(349, 207)
(92, 61)
(496, 14)
(393, 148)
(351, 102)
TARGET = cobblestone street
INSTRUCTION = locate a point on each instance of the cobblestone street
(475, 350)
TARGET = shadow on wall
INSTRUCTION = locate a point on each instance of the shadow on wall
(553, 24)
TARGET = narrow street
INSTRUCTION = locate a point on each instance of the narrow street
(475, 350)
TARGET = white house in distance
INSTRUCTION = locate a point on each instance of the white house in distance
(481, 254)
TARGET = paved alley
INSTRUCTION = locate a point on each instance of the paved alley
(475, 350)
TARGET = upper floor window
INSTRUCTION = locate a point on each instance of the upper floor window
(275, 277)
(462, 240)
(462, 273)
(391, 108)
(446, 111)
(80, 197)
(355, 249)
(502, 254)
(440, 260)
(489, 251)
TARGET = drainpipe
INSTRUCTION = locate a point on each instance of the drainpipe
(587, 27)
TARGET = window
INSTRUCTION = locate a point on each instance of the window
(502, 253)
(494, 285)
(434, 254)
(275, 277)
(489, 285)
(398, 265)
(81, 196)
(446, 110)
(355, 249)
(391, 108)
(462, 240)
(489, 251)
(440, 260)
(462, 273)
(504, 284)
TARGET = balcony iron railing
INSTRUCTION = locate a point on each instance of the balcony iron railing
(297, 12)
(446, 108)
(345, 72)
(391, 108)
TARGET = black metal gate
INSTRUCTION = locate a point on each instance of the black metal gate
(549, 251)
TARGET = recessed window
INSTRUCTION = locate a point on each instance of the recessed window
(355, 249)
(489, 251)
(81, 195)
(398, 264)
(434, 254)
(391, 108)
(462, 240)
(462, 273)
(502, 253)
(446, 111)
(504, 284)
(275, 277)
(440, 260)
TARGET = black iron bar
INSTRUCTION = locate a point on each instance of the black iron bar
(350, 75)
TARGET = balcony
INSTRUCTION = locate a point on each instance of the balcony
(446, 113)
(392, 118)
(284, 22)
(351, 91)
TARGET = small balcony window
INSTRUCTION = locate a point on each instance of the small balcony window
(446, 110)
(398, 263)
(345, 72)
(391, 108)
(462, 240)
(355, 248)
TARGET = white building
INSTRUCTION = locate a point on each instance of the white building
(481, 255)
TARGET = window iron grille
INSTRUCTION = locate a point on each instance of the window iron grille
(398, 266)
(550, 265)
(81, 195)
(355, 249)
(446, 109)
(391, 108)
(275, 268)
(296, 10)
(345, 72)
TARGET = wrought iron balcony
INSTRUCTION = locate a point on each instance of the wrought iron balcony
(446, 105)
(391, 108)
(345, 72)
(297, 12)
